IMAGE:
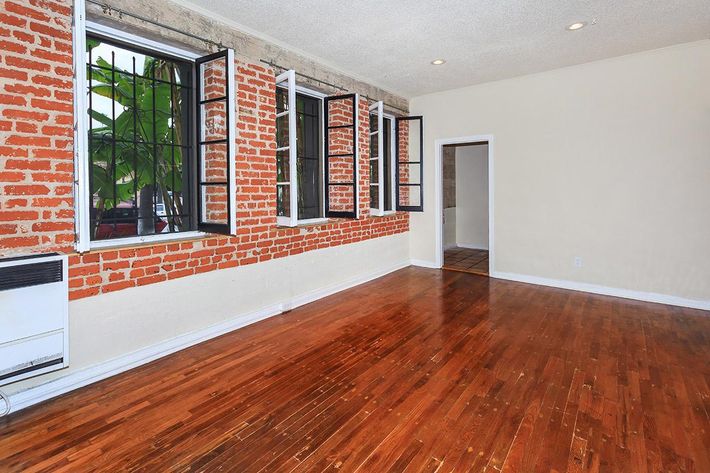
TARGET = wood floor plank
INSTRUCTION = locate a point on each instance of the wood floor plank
(421, 370)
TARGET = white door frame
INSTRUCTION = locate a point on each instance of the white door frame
(439, 194)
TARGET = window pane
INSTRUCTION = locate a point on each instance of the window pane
(215, 157)
(374, 171)
(387, 162)
(282, 166)
(283, 200)
(410, 196)
(139, 141)
(341, 169)
(214, 121)
(340, 112)
(341, 198)
(340, 141)
(308, 156)
(214, 204)
(281, 99)
(374, 197)
(214, 79)
(409, 173)
(308, 188)
(374, 141)
(282, 131)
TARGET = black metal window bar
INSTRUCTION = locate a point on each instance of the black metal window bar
(328, 155)
(407, 161)
(140, 150)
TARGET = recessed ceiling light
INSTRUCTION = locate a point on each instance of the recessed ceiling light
(577, 26)
(438, 62)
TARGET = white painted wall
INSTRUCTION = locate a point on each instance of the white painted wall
(472, 196)
(110, 326)
(608, 161)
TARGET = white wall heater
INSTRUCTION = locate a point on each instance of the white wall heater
(34, 316)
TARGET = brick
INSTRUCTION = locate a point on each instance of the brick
(27, 89)
(22, 140)
(40, 152)
(26, 64)
(82, 293)
(7, 216)
(13, 47)
(12, 99)
(12, 20)
(19, 242)
(117, 286)
(42, 28)
(11, 176)
(24, 11)
(52, 226)
(26, 190)
(26, 115)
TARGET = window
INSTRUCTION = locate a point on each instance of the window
(299, 151)
(308, 157)
(409, 152)
(155, 140)
(139, 145)
(341, 156)
(381, 161)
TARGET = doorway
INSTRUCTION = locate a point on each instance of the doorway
(464, 205)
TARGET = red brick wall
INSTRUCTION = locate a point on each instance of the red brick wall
(36, 169)
(36, 161)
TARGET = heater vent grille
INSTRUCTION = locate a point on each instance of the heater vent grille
(33, 274)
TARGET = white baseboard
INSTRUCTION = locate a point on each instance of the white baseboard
(604, 290)
(92, 374)
(425, 264)
(123, 363)
(471, 246)
(327, 291)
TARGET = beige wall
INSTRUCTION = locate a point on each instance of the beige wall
(472, 196)
(608, 161)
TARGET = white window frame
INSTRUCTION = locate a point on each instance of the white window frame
(378, 108)
(292, 88)
(82, 197)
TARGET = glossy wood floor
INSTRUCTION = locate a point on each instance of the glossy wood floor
(467, 260)
(422, 370)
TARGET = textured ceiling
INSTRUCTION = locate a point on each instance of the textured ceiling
(391, 43)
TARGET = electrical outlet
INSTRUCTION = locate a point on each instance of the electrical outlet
(577, 261)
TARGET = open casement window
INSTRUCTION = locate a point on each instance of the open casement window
(341, 156)
(409, 152)
(286, 151)
(377, 158)
(216, 131)
(299, 151)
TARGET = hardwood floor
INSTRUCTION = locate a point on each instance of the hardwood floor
(467, 260)
(422, 370)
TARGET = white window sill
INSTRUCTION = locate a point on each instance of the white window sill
(146, 240)
(312, 221)
(306, 223)
(377, 213)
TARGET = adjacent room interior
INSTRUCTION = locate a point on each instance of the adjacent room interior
(368, 236)
(465, 208)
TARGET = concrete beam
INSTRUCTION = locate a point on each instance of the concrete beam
(247, 47)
